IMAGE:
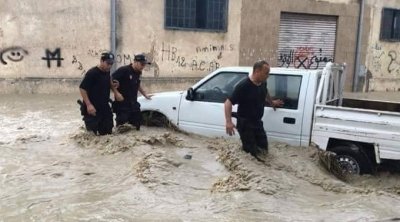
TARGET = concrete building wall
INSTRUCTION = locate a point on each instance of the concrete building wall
(51, 40)
(65, 38)
(62, 40)
(383, 60)
(175, 53)
(260, 31)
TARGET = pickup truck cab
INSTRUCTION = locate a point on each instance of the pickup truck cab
(312, 105)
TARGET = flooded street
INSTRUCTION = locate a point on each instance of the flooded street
(52, 170)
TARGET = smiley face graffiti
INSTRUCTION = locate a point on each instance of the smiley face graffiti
(13, 54)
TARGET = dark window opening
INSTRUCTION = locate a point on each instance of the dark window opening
(390, 26)
(196, 14)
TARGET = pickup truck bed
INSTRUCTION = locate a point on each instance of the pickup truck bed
(361, 132)
(371, 104)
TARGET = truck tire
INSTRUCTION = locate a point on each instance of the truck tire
(352, 160)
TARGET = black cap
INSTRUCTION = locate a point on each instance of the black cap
(141, 58)
(107, 56)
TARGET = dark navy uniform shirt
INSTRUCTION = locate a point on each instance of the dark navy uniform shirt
(129, 82)
(97, 85)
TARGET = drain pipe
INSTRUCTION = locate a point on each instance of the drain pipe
(113, 32)
(357, 62)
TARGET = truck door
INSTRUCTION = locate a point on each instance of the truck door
(285, 124)
(205, 114)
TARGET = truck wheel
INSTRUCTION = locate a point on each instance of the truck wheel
(352, 160)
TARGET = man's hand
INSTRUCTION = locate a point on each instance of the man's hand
(115, 84)
(91, 110)
(277, 103)
(148, 96)
(119, 97)
(230, 128)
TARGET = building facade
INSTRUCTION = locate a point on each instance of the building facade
(44, 44)
(383, 49)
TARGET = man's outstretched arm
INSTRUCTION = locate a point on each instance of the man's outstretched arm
(230, 127)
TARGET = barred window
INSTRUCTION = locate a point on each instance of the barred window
(196, 14)
(390, 27)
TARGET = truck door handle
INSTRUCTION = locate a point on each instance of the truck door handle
(289, 120)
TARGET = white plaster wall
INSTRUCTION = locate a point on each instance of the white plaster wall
(29, 28)
(383, 58)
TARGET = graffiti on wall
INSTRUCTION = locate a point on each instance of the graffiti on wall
(96, 53)
(79, 64)
(384, 61)
(377, 55)
(204, 58)
(215, 48)
(394, 64)
(124, 59)
(12, 54)
(120, 58)
(303, 57)
(53, 56)
(171, 53)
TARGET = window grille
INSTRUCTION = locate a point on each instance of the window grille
(196, 14)
(390, 26)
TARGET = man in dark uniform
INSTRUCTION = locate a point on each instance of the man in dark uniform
(251, 95)
(128, 110)
(95, 91)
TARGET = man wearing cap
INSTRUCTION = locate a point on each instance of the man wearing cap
(128, 110)
(95, 91)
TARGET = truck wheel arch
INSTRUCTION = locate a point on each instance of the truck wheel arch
(348, 151)
(155, 118)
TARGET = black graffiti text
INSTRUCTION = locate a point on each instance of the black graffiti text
(303, 57)
(394, 65)
(80, 66)
(55, 55)
(171, 54)
(215, 48)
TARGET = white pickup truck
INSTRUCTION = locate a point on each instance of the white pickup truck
(362, 133)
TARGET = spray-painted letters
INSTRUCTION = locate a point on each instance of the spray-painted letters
(303, 57)
(171, 53)
(56, 55)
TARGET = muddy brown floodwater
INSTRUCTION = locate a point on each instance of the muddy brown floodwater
(52, 170)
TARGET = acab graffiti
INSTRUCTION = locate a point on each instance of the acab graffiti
(303, 57)
(172, 54)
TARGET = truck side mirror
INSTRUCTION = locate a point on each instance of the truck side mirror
(190, 94)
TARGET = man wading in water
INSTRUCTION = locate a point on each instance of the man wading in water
(251, 95)
(95, 91)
